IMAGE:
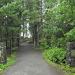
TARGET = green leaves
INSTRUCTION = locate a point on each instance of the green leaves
(59, 18)
(70, 36)
(12, 8)
(56, 55)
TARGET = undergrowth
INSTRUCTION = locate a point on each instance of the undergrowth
(10, 61)
(56, 57)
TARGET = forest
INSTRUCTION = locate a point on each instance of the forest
(51, 25)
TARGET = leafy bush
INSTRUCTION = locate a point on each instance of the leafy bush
(70, 36)
(54, 41)
(56, 55)
(61, 42)
(43, 43)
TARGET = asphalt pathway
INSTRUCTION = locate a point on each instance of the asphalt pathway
(29, 61)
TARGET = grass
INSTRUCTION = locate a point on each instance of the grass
(10, 61)
(67, 69)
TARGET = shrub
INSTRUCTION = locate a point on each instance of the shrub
(54, 41)
(43, 43)
(70, 36)
(61, 42)
(56, 55)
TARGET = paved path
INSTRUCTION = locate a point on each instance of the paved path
(30, 62)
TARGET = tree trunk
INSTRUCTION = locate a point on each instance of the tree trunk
(36, 36)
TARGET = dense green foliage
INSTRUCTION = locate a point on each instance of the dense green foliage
(58, 29)
(70, 36)
(59, 20)
(56, 55)
(51, 22)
